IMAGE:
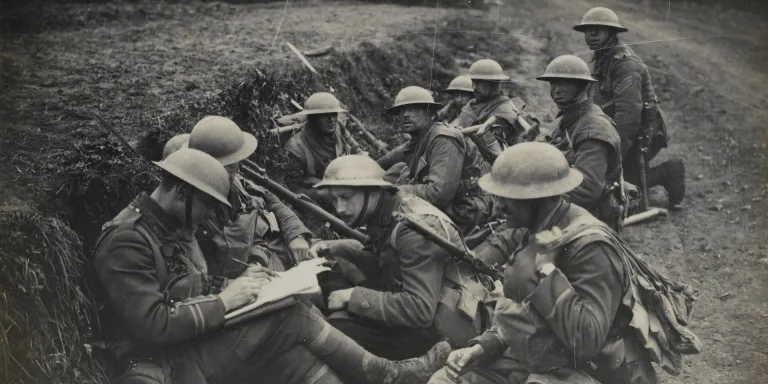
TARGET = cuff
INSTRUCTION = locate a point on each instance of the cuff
(211, 309)
(362, 303)
(491, 343)
(550, 289)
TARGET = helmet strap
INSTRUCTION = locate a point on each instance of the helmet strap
(188, 196)
(361, 215)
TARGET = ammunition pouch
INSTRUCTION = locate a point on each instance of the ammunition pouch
(461, 313)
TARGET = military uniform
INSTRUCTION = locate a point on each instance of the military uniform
(477, 113)
(442, 167)
(589, 141)
(309, 153)
(625, 93)
(567, 327)
(408, 293)
(161, 320)
(260, 231)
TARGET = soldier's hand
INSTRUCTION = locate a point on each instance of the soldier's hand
(462, 360)
(338, 300)
(258, 272)
(318, 248)
(241, 291)
(300, 249)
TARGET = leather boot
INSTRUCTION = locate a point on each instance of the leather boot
(670, 175)
(412, 371)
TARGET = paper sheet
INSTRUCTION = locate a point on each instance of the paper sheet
(297, 280)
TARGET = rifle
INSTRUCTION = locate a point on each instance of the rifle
(644, 160)
(457, 253)
(254, 172)
(368, 136)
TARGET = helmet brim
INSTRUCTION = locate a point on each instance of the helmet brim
(566, 77)
(583, 26)
(250, 143)
(393, 110)
(531, 191)
(322, 111)
(193, 181)
(469, 90)
(490, 77)
(354, 183)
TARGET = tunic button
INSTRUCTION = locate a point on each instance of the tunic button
(365, 305)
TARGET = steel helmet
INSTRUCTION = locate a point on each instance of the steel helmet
(488, 70)
(567, 67)
(530, 171)
(461, 84)
(322, 102)
(174, 144)
(353, 171)
(222, 138)
(199, 170)
(412, 95)
(600, 16)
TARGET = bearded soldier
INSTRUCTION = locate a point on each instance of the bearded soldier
(461, 92)
(489, 101)
(560, 320)
(399, 293)
(165, 325)
(320, 140)
(440, 166)
(588, 139)
(624, 91)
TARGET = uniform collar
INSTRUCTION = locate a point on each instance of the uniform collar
(156, 216)
(548, 219)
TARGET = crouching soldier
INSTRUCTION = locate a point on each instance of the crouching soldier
(262, 229)
(562, 319)
(399, 293)
(588, 139)
(320, 140)
(167, 327)
(489, 101)
(461, 92)
(440, 165)
(624, 91)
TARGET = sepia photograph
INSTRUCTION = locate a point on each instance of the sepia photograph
(383, 191)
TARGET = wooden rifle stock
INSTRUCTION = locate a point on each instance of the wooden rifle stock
(456, 252)
(368, 136)
(252, 171)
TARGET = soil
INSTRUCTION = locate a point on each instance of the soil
(138, 63)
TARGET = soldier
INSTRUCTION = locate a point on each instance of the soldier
(489, 100)
(562, 319)
(461, 92)
(624, 91)
(402, 293)
(588, 139)
(166, 327)
(317, 143)
(262, 228)
(441, 165)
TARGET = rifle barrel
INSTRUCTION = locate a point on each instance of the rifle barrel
(255, 173)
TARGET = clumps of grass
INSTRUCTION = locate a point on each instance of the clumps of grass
(42, 306)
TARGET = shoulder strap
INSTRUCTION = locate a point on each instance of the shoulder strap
(414, 208)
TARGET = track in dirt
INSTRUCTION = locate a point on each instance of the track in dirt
(704, 77)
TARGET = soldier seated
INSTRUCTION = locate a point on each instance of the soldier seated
(399, 293)
(166, 326)
(461, 92)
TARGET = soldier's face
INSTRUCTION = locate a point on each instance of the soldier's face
(461, 98)
(232, 171)
(349, 203)
(518, 213)
(325, 122)
(413, 118)
(484, 90)
(597, 36)
(564, 92)
(204, 208)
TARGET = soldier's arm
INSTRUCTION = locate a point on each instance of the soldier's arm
(628, 102)
(421, 267)
(392, 157)
(126, 270)
(295, 170)
(492, 342)
(580, 301)
(592, 161)
(497, 248)
(446, 162)
(290, 224)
